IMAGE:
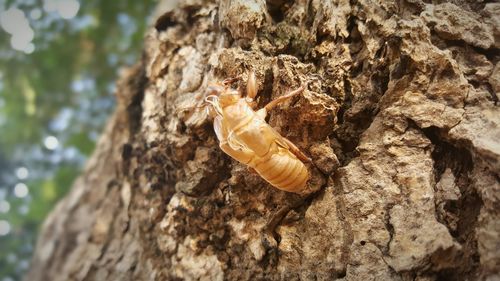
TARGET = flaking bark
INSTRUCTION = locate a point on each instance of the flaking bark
(400, 117)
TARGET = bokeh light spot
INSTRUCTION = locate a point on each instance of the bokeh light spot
(4, 227)
(51, 142)
(35, 14)
(22, 173)
(21, 190)
(4, 206)
(30, 48)
(24, 264)
(50, 5)
(11, 258)
(11, 19)
(14, 22)
(68, 8)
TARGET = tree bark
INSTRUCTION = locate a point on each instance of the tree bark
(400, 117)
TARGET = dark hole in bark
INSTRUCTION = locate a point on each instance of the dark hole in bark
(352, 28)
(494, 96)
(380, 80)
(134, 109)
(277, 9)
(401, 68)
(466, 209)
(346, 103)
(446, 155)
(164, 22)
(126, 151)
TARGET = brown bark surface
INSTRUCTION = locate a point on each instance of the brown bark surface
(400, 117)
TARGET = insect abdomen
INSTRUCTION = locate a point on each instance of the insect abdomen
(284, 171)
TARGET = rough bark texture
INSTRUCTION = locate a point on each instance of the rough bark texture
(404, 95)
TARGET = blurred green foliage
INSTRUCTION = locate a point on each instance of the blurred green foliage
(54, 102)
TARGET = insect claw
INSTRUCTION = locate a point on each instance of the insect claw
(252, 170)
(229, 81)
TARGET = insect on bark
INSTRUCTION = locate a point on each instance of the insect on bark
(244, 135)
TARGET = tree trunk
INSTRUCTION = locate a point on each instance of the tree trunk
(402, 93)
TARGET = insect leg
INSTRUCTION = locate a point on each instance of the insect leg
(277, 217)
(281, 99)
(262, 113)
(295, 150)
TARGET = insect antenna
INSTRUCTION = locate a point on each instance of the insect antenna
(198, 100)
(187, 108)
(214, 101)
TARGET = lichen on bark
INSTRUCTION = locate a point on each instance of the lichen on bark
(400, 117)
